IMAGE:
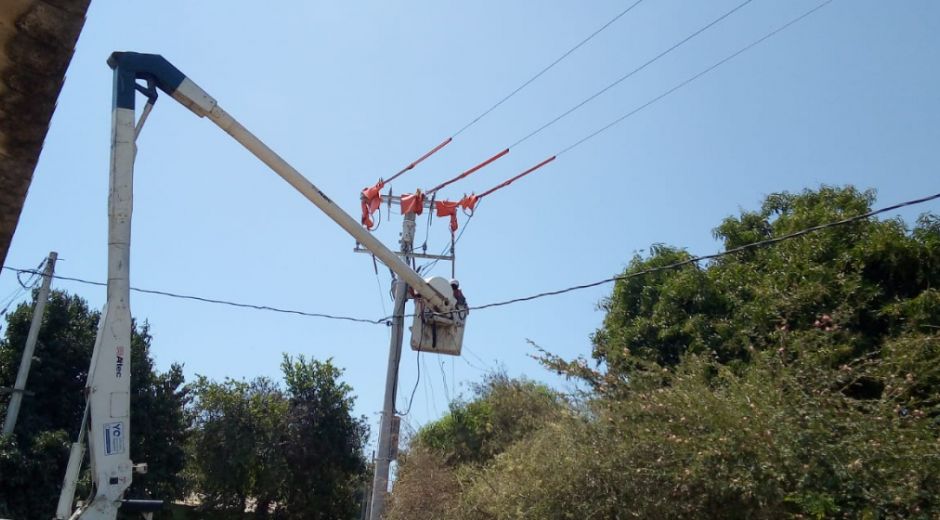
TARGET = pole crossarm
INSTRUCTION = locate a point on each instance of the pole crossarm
(413, 255)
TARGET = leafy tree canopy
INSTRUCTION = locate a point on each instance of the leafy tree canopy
(33, 459)
(288, 452)
(797, 380)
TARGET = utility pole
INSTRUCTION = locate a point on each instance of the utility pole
(19, 388)
(384, 457)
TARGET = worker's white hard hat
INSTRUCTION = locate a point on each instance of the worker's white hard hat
(454, 282)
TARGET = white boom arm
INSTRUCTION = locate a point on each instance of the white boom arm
(108, 386)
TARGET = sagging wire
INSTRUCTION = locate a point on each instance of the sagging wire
(415, 389)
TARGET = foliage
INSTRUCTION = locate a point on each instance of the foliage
(798, 380)
(323, 444)
(52, 416)
(860, 280)
(427, 487)
(503, 411)
(287, 453)
(29, 480)
(234, 453)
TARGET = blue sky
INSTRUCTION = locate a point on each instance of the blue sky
(352, 91)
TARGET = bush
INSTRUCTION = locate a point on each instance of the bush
(779, 439)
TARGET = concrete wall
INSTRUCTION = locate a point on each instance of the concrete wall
(37, 39)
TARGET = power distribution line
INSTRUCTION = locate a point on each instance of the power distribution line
(212, 300)
(676, 265)
(697, 259)
(626, 76)
(695, 77)
(549, 67)
(641, 107)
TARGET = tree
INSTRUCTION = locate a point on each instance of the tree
(853, 280)
(236, 451)
(50, 418)
(323, 445)
(797, 380)
(288, 453)
(503, 411)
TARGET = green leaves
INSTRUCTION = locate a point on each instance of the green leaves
(799, 380)
(293, 452)
(870, 279)
(50, 418)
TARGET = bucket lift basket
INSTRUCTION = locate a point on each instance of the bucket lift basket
(435, 332)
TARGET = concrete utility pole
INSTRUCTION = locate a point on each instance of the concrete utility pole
(384, 457)
(19, 388)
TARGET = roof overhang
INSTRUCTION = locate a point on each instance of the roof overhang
(37, 39)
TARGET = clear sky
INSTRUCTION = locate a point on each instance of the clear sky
(352, 91)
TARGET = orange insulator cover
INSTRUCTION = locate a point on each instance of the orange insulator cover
(412, 203)
(371, 200)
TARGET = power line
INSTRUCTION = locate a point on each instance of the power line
(697, 76)
(645, 105)
(415, 389)
(697, 259)
(630, 74)
(655, 99)
(676, 265)
(503, 100)
(444, 379)
(428, 382)
(636, 110)
(24, 287)
(212, 300)
(589, 98)
(546, 69)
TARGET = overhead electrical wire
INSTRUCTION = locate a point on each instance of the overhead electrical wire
(415, 389)
(503, 100)
(634, 111)
(510, 95)
(420, 159)
(211, 300)
(676, 265)
(546, 69)
(24, 287)
(697, 259)
(626, 76)
(648, 103)
(695, 77)
(499, 155)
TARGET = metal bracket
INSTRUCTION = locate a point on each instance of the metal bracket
(358, 249)
(151, 92)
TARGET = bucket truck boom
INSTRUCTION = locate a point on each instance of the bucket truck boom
(107, 422)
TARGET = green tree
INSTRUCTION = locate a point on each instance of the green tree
(797, 380)
(323, 445)
(52, 415)
(502, 412)
(236, 451)
(287, 453)
(853, 280)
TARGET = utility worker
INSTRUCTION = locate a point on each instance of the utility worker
(461, 299)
